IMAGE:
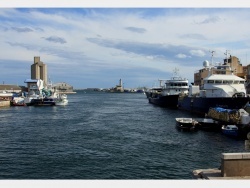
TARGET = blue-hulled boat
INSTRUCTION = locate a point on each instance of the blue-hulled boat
(219, 90)
(230, 130)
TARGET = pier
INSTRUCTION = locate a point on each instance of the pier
(233, 166)
(4, 103)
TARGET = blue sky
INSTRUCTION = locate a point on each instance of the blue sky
(95, 47)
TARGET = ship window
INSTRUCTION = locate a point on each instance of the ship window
(218, 81)
(179, 84)
(242, 82)
(210, 81)
(227, 81)
(236, 81)
(172, 84)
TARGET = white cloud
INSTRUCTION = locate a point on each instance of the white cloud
(150, 57)
(181, 56)
(198, 53)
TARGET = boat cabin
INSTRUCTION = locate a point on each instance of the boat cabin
(175, 86)
(219, 85)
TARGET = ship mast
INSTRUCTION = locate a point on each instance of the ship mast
(227, 61)
(212, 63)
(175, 72)
(212, 57)
(226, 55)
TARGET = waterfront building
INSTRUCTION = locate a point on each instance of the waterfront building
(39, 70)
(10, 88)
(7, 92)
(248, 79)
(63, 87)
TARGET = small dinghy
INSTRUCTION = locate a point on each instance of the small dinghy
(188, 124)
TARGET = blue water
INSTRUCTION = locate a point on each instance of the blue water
(104, 136)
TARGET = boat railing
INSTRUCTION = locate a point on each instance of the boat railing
(178, 78)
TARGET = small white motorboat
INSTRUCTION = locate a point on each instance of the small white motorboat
(61, 100)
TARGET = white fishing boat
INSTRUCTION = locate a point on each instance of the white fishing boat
(61, 100)
(40, 95)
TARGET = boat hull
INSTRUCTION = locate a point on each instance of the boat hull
(186, 124)
(165, 101)
(201, 105)
(42, 102)
(17, 101)
(148, 94)
(230, 131)
(61, 103)
(17, 104)
(208, 124)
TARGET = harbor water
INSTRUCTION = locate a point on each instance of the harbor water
(105, 136)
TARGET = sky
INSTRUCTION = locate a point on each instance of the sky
(94, 47)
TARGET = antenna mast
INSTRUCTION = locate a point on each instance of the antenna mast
(212, 57)
(226, 55)
(176, 71)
